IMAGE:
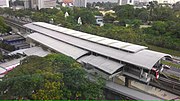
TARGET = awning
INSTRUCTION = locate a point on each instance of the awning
(102, 63)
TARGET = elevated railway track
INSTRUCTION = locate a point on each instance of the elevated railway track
(167, 84)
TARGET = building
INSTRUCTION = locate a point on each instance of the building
(124, 2)
(4, 3)
(17, 41)
(80, 3)
(67, 1)
(38, 4)
(111, 59)
(99, 55)
(27, 4)
(166, 1)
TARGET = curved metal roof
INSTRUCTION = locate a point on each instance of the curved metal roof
(102, 63)
(131, 47)
(133, 54)
(58, 46)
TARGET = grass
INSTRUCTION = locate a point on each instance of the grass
(171, 64)
(172, 76)
(164, 50)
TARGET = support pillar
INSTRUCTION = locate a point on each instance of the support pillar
(127, 82)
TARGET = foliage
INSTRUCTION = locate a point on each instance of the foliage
(108, 18)
(3, 27)
(124, 11)
(176, 6)
(55, 76)
(86, 15)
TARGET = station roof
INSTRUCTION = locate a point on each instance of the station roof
(38, 51)
(54, 37)
(102, 63)
(97, 39)
(58, 46)
(11, 63)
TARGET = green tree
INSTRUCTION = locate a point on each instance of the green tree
(160, 27)
(124, 11)
(152, 5)
(163, 14)
(55, 76)
(87, 16)
(3, 27)
(143, 15)
(176, 6)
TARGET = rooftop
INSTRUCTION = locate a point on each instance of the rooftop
(76, 44)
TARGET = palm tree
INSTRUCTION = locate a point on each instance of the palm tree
(151, 6)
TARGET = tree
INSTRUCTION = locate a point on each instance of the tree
(124, 11)
(176, 6)
(58, 17)
(152, 5)
(160, 27)
(87, 16)
(3, 27)
(142, 15)
(163, 14)
(55, 76)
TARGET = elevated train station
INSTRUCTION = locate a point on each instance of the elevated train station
(99, 56)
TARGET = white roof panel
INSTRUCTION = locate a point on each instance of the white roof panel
(87, 36)
(134, 48)
(104, 64)
(38, 51)
(79, 34)
(57, 28)
(58, 46)
(96, 39)
(71, 32)
(120, 44)
(107, 41)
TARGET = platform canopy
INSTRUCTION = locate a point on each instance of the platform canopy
(101, 63)
(76, 44)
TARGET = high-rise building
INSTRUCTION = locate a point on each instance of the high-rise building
(124, 2)
(38, 4)
(26, 4)
(80, 3)
(4, 3)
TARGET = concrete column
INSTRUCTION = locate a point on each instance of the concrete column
(127, 82)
